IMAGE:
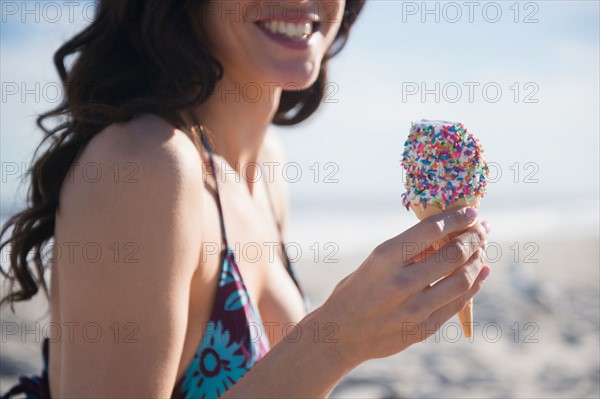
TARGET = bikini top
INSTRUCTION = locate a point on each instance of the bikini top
(234, 338)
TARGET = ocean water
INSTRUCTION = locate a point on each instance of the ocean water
(541, 131)
(348, 229)
(541, 134)
(358, 229)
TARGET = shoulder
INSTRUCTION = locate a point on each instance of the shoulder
(144, 175)
(143, 153)
(148, 141)
(133, 194)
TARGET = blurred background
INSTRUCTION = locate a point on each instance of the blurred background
(522, 76)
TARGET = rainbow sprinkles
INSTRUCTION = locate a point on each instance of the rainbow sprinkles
(443, 164)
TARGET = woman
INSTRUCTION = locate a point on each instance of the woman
(152, 178)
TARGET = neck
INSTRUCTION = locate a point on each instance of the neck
(236, 117)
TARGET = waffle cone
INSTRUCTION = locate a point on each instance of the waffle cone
(466, 314)
(466, 319)
(423, 213)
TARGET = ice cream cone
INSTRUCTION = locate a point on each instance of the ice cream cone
(466, 314)
(466, 319)
(445, 170)
(423, 213)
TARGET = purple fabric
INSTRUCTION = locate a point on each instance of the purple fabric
(34, 387)
(234, 339)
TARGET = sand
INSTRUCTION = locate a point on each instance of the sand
(546, 312)
(549, 343)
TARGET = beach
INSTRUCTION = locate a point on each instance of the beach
(538, 312)
(538, 317)
(520, 349)
(523, 77)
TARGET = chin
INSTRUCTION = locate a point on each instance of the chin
(298, 76)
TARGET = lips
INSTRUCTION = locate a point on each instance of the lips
(295, 34)
(290, 30)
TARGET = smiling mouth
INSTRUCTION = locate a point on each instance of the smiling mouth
(290, 30)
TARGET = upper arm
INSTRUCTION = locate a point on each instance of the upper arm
(273, 152)
(129, 240)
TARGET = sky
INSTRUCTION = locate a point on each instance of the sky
(522, 76)
(553, 64)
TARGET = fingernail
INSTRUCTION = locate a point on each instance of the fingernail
(471, 213)
(486, 226)
(485, 272)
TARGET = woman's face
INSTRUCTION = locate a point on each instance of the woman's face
(271, 41)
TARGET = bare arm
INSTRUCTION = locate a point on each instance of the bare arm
(136, 239)
(382, 308)
(371, 308)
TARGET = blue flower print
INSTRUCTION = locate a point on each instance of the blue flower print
(216, 366)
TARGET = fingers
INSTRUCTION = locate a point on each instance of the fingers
(451, 256)
(451, 287)
(425, 233)
(445, 313)
(431, 250)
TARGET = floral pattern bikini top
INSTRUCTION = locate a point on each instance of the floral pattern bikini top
(233, 339)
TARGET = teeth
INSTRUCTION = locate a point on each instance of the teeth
(289, 29)
(307, 28)
(281, 28)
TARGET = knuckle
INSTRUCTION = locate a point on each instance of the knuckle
(476, 287)
(463, 281)
(413, 308)
(460, 305)
(474, 238)
(456, 252)
(479, 257)
(403, 281)
(378, 254)
(344, 281)
(460, 217)
(480, 233)
(435, 227)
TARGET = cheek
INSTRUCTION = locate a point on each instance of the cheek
(244, 55)
(222, 34)
(219, 40)
(332, 14)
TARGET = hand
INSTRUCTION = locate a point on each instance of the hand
(390, 301)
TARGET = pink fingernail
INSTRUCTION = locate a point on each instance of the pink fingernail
(486, 226)
(471, 213)
(485, 272)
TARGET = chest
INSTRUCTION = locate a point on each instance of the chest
(251, 233)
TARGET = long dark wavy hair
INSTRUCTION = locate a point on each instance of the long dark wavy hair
(136, 57)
